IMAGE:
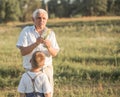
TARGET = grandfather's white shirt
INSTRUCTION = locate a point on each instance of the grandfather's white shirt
(27, 37)
(42, 84)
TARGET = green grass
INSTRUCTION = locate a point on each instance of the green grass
(88, 64)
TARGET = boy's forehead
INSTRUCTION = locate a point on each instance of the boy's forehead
(39, 54)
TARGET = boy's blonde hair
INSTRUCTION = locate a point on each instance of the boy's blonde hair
(37, 59)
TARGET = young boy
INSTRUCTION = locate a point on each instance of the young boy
(34, 83)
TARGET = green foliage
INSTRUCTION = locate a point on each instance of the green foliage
(94, 7)
(27, 7)
(21, 10)
(10, 76)
(2, 10)
(117, 7)
(12, 10)
(61, 8)
(66, 8)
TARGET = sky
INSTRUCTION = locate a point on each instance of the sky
(46, 1)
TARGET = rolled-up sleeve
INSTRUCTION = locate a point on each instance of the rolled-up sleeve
(22, 40)
(46, 85)
(21, 86)
(54, 41)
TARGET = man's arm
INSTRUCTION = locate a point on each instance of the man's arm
(51, 50)
(29, 49)
(26, 50)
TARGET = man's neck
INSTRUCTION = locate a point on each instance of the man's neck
(40, 30)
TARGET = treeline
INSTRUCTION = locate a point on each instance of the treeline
(70, 8)
(21, 10)
(17, 10)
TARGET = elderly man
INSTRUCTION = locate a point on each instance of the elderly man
(38, 38)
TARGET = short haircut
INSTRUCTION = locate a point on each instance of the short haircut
(38, 11)
(37, 57)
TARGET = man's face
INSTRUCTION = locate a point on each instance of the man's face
(40, 21)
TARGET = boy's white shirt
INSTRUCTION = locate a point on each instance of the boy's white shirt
(42, 84)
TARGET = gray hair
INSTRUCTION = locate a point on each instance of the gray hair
(38, 11)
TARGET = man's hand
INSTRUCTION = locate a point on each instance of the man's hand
(47, 43)
(39, 40)
(51, 50)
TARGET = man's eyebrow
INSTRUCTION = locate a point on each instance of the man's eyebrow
(38, 17)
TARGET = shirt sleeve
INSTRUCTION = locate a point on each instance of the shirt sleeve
(54, 41)
(22, 39)
(21, 86)
(46, 85)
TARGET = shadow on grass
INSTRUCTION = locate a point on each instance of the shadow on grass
(67, 74)
(97, 60)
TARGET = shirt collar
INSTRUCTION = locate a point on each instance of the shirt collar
(44, 30)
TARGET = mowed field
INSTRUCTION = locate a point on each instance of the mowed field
(88, 64)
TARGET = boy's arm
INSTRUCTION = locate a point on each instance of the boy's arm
(22, 94)
(47, 94)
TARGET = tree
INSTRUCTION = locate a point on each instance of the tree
(27, 7)
(117, 7)
(60, 8)
(12, 10)
(2, 10)
(110, 6)
(94, 7)
(76, 7)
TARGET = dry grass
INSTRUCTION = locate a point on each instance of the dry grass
(93, 18)
(85, 18)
